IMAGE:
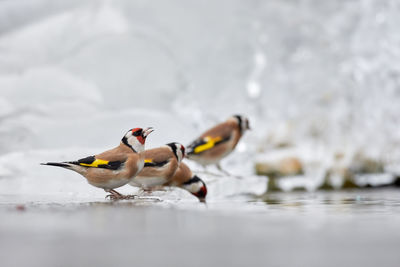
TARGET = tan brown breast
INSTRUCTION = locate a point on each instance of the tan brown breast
(182, 175)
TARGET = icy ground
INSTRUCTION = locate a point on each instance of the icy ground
(352, 228)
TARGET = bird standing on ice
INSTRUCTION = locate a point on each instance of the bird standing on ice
(218, 142)
(160, 166)
(113, 168)
(185, 179)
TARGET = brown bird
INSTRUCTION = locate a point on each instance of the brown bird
(160, 165)
(218, 142)
(185, 179)
(113, 168)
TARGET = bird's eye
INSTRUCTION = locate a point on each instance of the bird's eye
(137, 133)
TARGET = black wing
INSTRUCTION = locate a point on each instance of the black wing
(92, 162)
(203, 144)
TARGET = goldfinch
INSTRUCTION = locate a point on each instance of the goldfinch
(185, 179)
(113, 168)
(218, 142)
(160, 166)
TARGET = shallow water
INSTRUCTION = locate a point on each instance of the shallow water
(347, 228)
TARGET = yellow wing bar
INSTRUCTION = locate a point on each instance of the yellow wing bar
(148, 161)
(95, 163)
(209, 143)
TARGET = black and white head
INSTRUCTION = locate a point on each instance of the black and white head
(136, 138)
(243, 123)
(197, 187)
(178, 150)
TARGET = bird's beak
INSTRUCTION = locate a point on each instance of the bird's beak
(147, 131)
(202, 200)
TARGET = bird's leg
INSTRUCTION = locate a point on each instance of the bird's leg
(127, 196)
(115, 192)
(145, 193)
(131, 196)
(222, 170)
(227, 173)
(207, 172)
(114, 195)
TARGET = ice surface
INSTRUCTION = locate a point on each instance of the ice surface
(356, 228)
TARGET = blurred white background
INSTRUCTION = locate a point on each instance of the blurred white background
(319, 76)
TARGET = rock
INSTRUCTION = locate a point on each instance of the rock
(283, 167)
(320, 169)
(286, 166)
(362, 164)
(346, 171)
(339, 177)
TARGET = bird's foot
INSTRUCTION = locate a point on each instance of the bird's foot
(131, 197)
(114, 195)
(121, 197)
(155, 199)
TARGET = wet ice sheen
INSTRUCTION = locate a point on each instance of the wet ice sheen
(358, 228)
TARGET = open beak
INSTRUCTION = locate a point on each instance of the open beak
(147, 131)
